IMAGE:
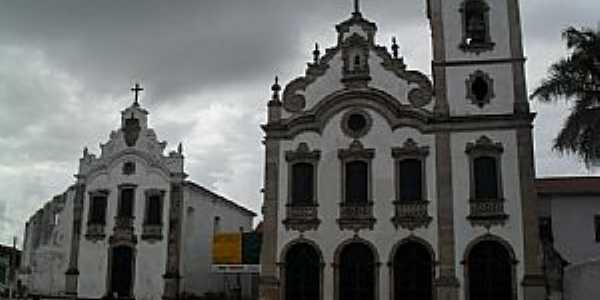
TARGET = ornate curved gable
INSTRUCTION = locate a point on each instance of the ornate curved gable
(134, 137)
(357, 64)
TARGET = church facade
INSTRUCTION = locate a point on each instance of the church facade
(131, 226)
(383, 184)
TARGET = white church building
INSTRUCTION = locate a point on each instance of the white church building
(131, 226)
(383, 184)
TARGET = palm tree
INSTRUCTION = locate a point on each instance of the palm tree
(576, 79)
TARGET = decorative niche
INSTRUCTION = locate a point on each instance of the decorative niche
(480, 88)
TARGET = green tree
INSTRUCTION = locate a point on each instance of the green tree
(576, 79)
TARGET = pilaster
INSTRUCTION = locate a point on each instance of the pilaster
(439, 55)
(446, 284)
(172, 277)
(72, 273)
(269, 282)
(533, 282)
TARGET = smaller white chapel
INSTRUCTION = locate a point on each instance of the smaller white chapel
(131, 226)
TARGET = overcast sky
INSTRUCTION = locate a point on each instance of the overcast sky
(66, 68)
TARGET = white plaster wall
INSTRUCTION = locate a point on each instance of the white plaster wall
(150, 257)
(573, 227)
(200, 210)
(499, 29)
(385, 235)
(502, 103)
(50, 260)
(463, 230)
(581, 281)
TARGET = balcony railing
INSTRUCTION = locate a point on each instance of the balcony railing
(487, 212)
(356, 216)
(152, 232)
(411, 214)
(302, 218)
(95, 232)
(123, 230)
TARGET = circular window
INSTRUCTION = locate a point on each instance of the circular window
(356, 123)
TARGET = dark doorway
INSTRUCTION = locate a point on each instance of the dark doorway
(413, 276)
(356, 273)
(302, 273)
(121, 276)
(490, 272)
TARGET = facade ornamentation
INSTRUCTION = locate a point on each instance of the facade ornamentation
(123, 231)
(411, 213)
(356, 123)
(486, 211)
(303, 216)
(95, 232)
(480, 88)
(355, 55)
(356, 216)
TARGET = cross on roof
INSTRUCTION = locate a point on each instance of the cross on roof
(136, 90)
(356, 6)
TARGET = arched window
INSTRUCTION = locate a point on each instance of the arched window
(357, 182)
(302, 273)
(413, 272)
(476, 31)
(302, 184)
(410, 180)
(485, 174)
(356, 273)
(490, 272)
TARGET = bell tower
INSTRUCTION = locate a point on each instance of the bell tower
(479, 79)
(478, 57)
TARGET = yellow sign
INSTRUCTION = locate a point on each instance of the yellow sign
(227, 248)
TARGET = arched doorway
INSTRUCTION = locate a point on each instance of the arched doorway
(490, 271)
(356, 272)
(413, 272)
(122, 268)
(302, 273)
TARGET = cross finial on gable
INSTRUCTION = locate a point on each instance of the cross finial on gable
(357, 6)
(136, 90)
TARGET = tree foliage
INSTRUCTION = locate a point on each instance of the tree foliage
(576, 79)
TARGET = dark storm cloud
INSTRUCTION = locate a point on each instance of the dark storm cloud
(65, 69)
(177, 47)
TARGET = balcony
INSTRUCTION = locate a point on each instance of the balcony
(95, 232)
(356, 216)
(152, 232)
(411, 214)
(487, 212)
(123, 230)
(301, 218)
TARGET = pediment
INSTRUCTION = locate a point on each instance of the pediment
(357, 63)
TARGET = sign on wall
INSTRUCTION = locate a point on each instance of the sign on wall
(236, 252)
